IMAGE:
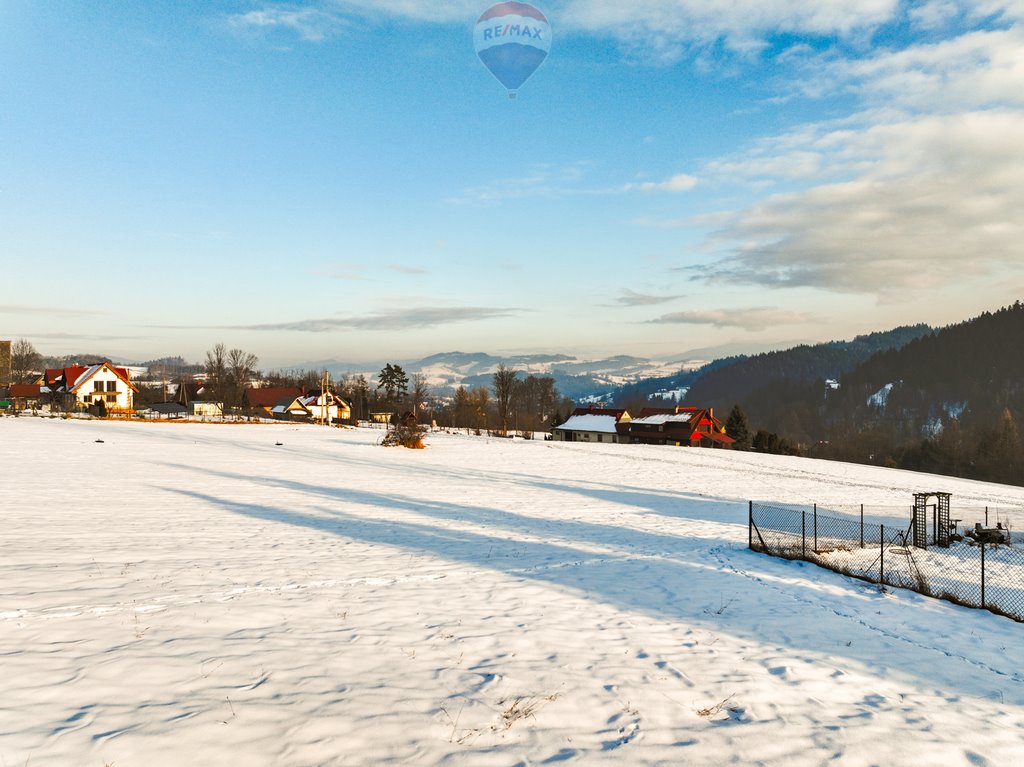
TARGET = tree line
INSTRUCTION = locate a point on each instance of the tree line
(947, 402)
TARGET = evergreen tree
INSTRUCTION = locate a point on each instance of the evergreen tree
(736, 427)
(394, 382)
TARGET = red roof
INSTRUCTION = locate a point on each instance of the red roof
(271, 395)
(68, 375)
(73, 374)
(715, 436)
(25, 390)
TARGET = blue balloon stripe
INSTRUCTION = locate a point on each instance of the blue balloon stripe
(512, 63)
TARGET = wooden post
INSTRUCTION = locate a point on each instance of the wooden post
(983, 576)
(803, 534)
(750, 526)
(881, 559)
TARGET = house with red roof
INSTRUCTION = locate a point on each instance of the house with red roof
(24, 396)
(680, 426)
(83, 387)
(261, 400)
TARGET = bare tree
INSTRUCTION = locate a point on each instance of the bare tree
(216, 370)
(481, 398)
(504, 385)
(241, 366)
(356, 389)
(24, 361)
(419, 394)
(534, 404)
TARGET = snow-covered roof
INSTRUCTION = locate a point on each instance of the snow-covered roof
(604, 424)
(655, 420)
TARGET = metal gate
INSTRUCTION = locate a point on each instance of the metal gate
(942, 532)
(920, 524)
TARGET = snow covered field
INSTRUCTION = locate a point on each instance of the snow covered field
(189, 594)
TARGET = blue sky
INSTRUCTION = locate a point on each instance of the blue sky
(344, 179)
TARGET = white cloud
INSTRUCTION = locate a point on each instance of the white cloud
(418, 318)
(753, 319)
(632, 298)
(309, 23)
(653, 29)
(681, 182)
(933, 13)
(665, 29)
(976, 69)
(921, 187)
(938, 202)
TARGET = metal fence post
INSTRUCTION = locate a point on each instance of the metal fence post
(815, 528)
(750, 527)
(986, 516)
(803, 534)
(881, 558)
(862, 525)
(983, 576)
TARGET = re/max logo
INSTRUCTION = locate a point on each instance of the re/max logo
(517, 30)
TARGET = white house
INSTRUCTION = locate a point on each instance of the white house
(207, 409)
(88, 386)
(314, 406)
(590, 425)
(328, 407)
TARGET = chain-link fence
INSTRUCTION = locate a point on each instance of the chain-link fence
(969, 572)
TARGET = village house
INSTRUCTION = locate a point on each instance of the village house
(327, 407)
(24, 396)
(591, 425)
(315, 406)
(262, 400)
(83, 387)
(679, 426)
(194, 397)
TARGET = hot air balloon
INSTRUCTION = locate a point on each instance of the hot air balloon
(512, 40)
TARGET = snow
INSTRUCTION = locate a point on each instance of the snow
(661, 418)
(881, 397)
(198, 594)
(601, 424)
(676, 395)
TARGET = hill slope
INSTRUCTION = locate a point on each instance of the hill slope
(482, 602)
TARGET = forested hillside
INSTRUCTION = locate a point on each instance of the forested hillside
(948, 402)
(726, 384)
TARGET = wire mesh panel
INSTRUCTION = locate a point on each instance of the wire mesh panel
(1004, 581)
(778, 530)
(989, 576)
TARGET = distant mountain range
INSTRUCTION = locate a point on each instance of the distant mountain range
(575, 377)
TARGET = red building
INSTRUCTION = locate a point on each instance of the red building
(680, 426)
